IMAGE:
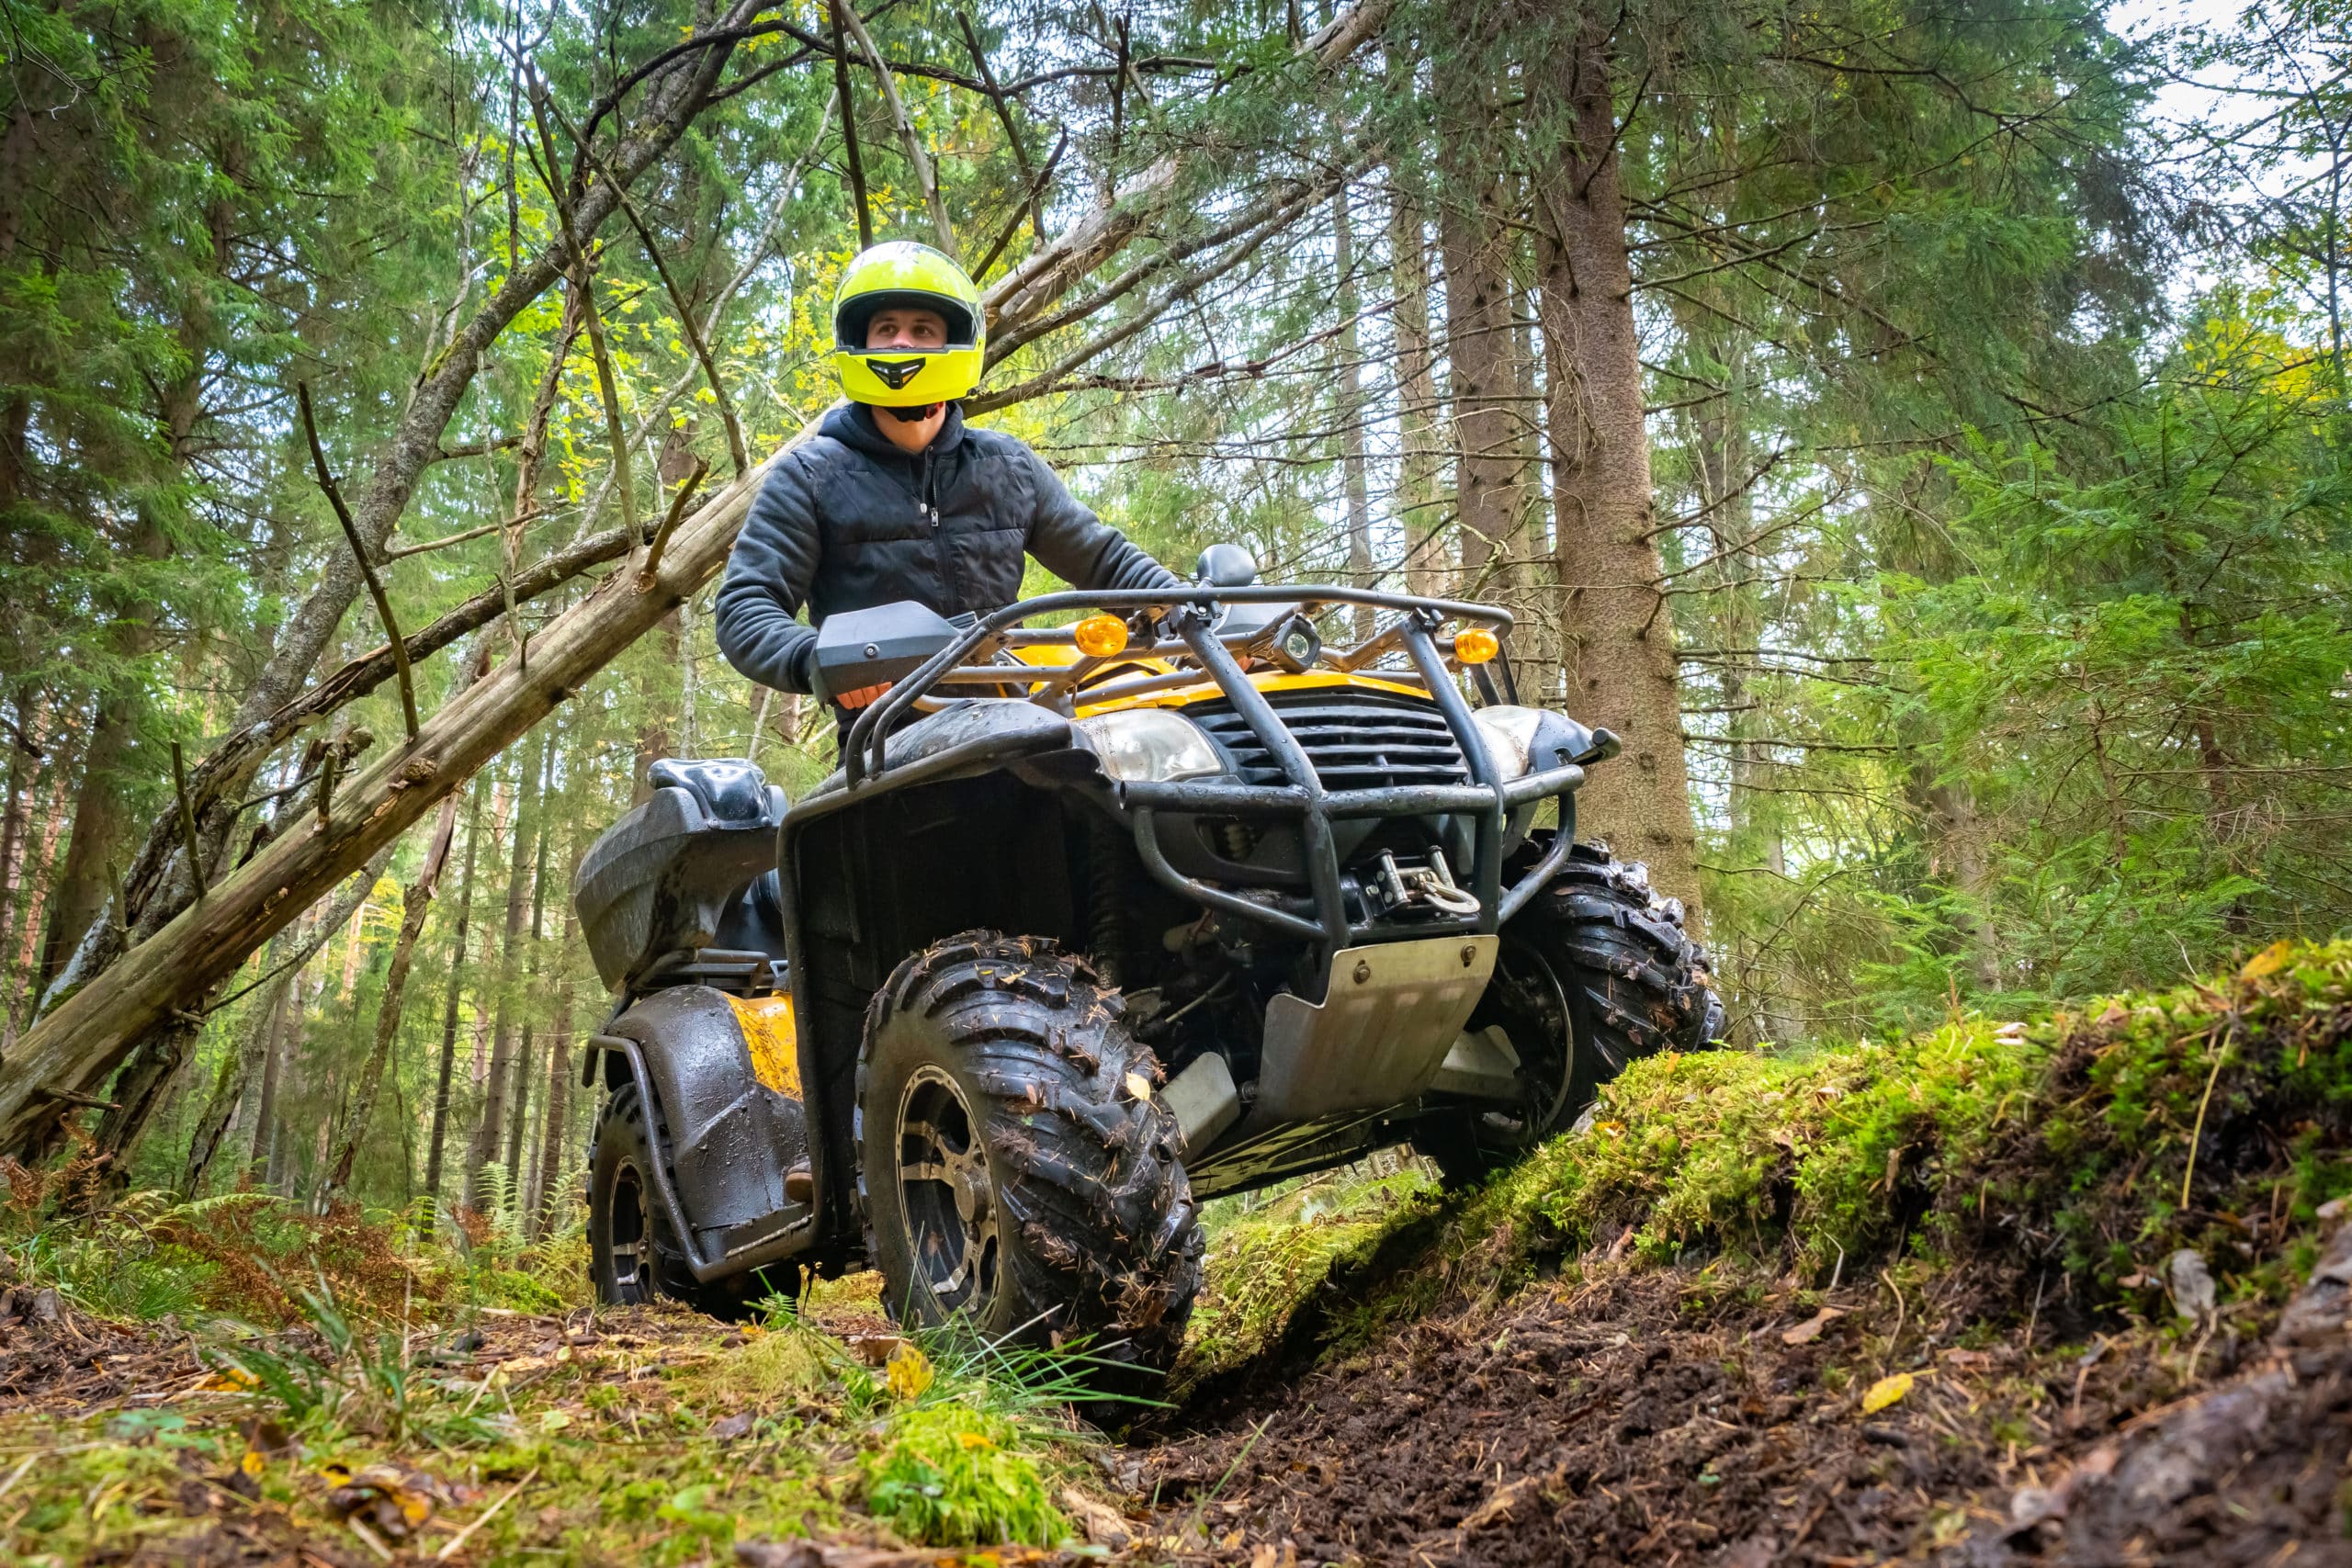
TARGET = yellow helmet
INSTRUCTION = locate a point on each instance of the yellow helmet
(904, 273)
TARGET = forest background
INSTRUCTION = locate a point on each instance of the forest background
(1919, 428)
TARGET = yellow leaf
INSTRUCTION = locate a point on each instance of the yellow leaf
(251, 1464)
(1140, 1088)
(1885, 1392)
(908, 1373)
(973, 1441)
(2269, 961)
(230, 1379)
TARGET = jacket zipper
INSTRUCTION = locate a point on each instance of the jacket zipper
(928, 505)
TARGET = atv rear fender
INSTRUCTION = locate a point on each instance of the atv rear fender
(725, 1131)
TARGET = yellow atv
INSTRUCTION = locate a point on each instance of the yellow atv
(1100, 919)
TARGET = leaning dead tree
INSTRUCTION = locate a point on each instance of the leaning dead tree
(130, 986)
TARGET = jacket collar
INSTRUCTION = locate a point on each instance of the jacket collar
(852, 424)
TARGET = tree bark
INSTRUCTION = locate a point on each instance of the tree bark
(450, 1008)
(1618, 632)
(1475, 246)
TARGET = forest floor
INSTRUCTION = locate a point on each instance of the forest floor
(2072, 1289)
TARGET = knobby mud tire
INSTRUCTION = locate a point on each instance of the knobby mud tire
(1631, 981)
(621, 1195)
(1098, 1238)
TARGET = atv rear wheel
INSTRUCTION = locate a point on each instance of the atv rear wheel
(1594, 972)
(633, 1254)
(1017, 1170)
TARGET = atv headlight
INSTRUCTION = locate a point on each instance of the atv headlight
(1151, 746)
(1509, 735)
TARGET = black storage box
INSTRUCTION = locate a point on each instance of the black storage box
(664, 878)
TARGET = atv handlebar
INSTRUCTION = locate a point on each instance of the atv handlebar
(862, 751)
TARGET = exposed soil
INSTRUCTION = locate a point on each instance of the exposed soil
(1652, 1416)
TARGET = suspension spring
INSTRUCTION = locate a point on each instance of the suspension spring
(1106, 908)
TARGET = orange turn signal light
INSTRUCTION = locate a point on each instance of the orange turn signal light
(1099, 636)
(1475, 645)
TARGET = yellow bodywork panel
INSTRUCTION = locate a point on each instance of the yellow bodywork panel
(772, 1039)
(1056, 656)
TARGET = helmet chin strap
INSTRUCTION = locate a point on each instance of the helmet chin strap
(914, 415)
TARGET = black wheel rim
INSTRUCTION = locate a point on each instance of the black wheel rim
(1528, 999)
(946, 1197)
(628, 1245)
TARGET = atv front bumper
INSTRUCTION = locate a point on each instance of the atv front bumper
(1322, 917)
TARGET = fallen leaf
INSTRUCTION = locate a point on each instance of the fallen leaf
(1808, 1331)
(2331, 1210)
(231, 1379)
(728, 1428)
(1103, 1525)
(2269, 961)
(874, 1350)
(1888, 1390)
(908, 1373)
(251, 1464)
(554, 1421)
(1140, 1088)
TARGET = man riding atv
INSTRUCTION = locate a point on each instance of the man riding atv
(896, 499)
(1123, 897)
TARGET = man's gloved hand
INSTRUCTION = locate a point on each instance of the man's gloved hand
(851, 700)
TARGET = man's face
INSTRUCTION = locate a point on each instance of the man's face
(897, 326)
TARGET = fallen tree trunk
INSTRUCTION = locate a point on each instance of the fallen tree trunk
(84, 1038)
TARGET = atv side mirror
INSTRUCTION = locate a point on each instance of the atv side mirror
(1226, 565)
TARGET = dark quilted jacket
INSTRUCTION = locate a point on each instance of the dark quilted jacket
(846, 521)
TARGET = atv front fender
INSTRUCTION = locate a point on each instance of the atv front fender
(726, 1129)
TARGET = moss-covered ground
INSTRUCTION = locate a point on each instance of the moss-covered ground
(2048, 1228)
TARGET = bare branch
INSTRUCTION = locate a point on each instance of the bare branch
(375, 591)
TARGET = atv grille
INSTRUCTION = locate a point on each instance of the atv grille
(1356, 739)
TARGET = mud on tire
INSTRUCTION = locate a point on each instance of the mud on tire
(1596, 972)
(1008, 1172)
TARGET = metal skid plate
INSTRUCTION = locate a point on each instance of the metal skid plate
(1390, 1011)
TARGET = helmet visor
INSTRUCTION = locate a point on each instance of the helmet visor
(857, 312)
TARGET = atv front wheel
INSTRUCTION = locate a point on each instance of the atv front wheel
(1017, 1170)
(633, 1254)
(1595, 972)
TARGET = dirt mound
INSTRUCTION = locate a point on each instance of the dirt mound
(1674, 1415)
(1604, 1424)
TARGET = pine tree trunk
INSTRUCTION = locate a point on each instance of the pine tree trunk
(24, 771)
(558, 1098)
(521, 1097)
(492, 1123)
(1416, 411)
(439, 1137)
(240, 1064)
(415, 904)
(1618, 631)
(1352, 466)
(1475, 247)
